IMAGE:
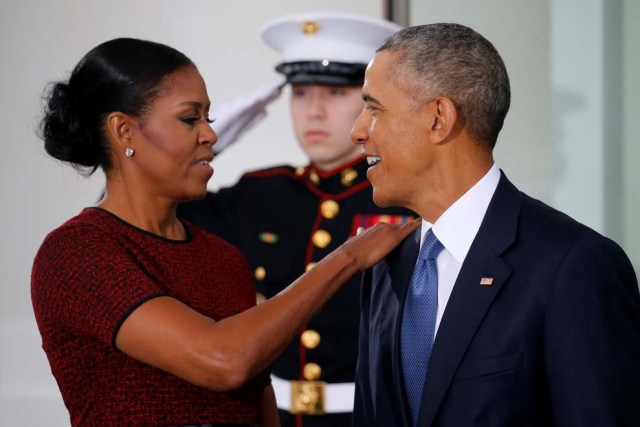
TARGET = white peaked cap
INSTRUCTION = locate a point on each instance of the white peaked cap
(321, 37)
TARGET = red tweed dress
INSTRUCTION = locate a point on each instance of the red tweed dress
(89, 275)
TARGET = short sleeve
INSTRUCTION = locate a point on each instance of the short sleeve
(86, 282)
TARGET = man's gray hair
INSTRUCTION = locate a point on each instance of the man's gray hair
(453, 61)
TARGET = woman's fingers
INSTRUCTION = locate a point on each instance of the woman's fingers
(369, 246)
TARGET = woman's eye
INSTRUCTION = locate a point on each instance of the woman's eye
(210, 120)
(190, 120)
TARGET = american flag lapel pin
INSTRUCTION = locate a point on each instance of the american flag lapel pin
(486, 281)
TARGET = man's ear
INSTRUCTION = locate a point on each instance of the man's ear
(120, 128)
(445, 118)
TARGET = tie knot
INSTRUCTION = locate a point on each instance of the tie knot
(431, 247)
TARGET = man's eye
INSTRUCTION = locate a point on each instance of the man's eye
(210, 120)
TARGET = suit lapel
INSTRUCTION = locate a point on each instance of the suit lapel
(469, 301)
(401, 265)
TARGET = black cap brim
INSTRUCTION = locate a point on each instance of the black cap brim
(323, 72)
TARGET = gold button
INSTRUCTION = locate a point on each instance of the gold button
(329, 209)
(310, 266)
(312, 371)
(348, 176)
(321, 238)
(260, 298)
(313, 176)
(300, 170)
(260, 273)
(310, 339)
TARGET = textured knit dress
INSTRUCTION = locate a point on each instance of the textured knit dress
(95, 270)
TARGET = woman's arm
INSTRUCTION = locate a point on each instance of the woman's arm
(167, 334)
(270, 410)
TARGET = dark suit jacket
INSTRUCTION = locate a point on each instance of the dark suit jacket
(554, 341)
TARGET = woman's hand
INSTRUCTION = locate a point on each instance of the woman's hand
(369, 246)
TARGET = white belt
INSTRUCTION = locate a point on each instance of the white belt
(338, 396)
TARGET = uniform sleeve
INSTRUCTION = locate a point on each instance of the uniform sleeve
(592, 338)
(87, 283)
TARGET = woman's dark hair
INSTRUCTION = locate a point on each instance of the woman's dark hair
(123, 75)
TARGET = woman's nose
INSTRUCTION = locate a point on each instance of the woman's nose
(208, 135)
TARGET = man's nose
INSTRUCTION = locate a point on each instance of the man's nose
(359, 131)
(317, 107)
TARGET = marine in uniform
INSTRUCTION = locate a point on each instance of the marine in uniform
(285, 219)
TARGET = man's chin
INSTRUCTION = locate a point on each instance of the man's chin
(380, 200)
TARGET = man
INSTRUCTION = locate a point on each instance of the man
(536, 317)
(285, 219)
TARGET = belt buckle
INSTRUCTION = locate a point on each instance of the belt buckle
(307, 397)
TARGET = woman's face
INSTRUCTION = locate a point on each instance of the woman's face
(174, 148)
(322, 121)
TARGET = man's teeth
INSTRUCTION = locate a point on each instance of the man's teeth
(203, 162)
(373, 160)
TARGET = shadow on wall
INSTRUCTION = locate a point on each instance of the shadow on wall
(565, 103)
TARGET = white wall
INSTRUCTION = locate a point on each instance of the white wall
(631, 129)
(41, 41)
(571, 135)
(520, 32)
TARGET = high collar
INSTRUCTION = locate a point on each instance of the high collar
(347, 177)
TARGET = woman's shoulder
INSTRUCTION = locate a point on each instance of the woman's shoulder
(88, 228)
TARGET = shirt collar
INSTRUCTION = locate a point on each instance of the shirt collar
(457, 226)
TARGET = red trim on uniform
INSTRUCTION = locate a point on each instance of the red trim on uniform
(274, 172)
(326, 174)
(323, 195)
(314, 228)
(356, 188)
(302, 351)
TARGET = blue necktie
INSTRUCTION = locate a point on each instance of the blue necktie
(419, 322)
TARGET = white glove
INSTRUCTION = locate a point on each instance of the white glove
(238, 116)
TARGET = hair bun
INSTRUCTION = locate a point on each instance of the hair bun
(65, 135)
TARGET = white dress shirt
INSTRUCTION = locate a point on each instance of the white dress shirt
(456, 229)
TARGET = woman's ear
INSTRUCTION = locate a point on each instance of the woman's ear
(120, 131)
(119, 127)
(445, 118)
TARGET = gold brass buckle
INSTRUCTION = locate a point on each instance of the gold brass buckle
(307, 397)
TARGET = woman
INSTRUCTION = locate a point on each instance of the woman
(145, 319)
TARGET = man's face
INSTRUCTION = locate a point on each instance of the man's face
(394, 136)
(322, 121)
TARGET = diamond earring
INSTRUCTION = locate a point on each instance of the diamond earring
(128, 152)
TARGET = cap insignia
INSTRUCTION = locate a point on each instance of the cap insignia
(310, 27)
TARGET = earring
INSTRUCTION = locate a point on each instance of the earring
(128, 152)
